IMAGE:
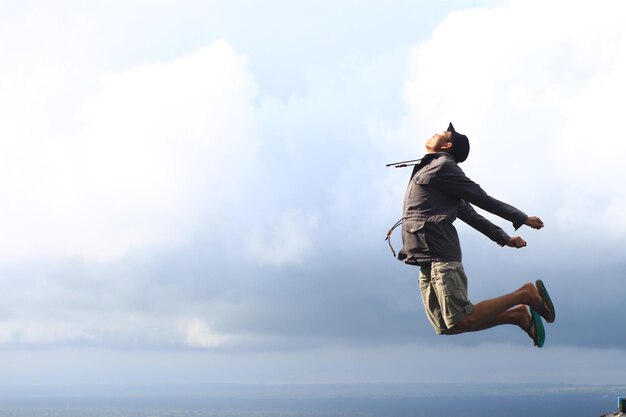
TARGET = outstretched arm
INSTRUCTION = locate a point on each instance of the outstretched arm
(467, 213)
(453, 181)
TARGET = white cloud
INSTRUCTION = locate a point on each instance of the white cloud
(152, 153)
(538, 89)
(198, 334)
(120, 327)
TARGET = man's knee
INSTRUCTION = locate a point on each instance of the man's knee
(461, 327)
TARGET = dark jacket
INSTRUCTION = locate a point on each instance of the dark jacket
(437, 194)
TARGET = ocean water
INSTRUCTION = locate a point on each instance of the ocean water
(319, 400)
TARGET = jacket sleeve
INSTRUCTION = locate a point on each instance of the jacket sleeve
(467, 213)
(452, 180)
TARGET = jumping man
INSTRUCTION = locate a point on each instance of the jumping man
(437, 194)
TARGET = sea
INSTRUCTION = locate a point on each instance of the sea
(310, 400)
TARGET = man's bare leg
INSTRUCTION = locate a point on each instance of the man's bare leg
(498, 311)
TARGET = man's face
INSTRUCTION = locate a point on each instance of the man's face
(438, 142)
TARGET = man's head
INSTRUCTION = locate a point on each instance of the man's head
(449, 141)
(460, 145)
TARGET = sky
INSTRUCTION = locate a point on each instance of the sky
(196, 191)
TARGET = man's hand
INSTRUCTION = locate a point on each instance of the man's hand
(534, 222)
(516, 242)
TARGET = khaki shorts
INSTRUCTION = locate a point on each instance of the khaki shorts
(444, 292)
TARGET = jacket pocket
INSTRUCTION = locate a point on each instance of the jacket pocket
(413, 237)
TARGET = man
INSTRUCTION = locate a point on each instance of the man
(437, 194)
